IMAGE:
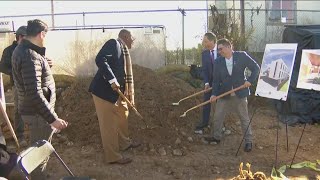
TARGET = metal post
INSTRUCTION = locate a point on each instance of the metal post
(52, 14)
(83, 19)
(207, 7)
(242, 22)
(183, 13)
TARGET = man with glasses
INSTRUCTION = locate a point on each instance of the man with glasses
(229, 73)
(35, 85)
(114, 73)
(6, 67)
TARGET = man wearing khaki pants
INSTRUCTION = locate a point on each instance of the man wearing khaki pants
(114, 72)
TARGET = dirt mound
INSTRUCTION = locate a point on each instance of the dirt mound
(155, 94)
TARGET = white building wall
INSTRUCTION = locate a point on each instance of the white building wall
(265, 33)
(278, 70)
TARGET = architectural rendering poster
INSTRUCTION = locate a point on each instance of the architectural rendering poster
(276, 69)
(309, 74)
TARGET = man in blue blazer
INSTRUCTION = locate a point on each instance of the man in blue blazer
(112, 110)
(229, 73)
(208, 57)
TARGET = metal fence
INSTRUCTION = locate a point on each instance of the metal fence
(258, 26)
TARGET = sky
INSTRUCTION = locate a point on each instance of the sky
(273, 54)
(195, 21)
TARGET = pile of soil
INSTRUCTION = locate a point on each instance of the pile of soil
(154, 94)
(172, 150)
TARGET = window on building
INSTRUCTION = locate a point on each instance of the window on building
(281, 11)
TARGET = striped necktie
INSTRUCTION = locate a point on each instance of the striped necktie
(212, 56)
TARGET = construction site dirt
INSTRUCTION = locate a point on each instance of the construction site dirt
(171, 150)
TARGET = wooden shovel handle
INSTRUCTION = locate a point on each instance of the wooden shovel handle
(197, 93)
(217, 97)
(6, 118)
(129, 103)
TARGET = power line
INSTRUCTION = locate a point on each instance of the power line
(103, 12)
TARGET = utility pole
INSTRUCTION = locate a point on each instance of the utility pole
(52, 14)
(207, 7)
(183, 13)
(242, 23)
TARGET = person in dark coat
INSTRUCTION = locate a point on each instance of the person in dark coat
(36, 87)
(208, 58)
(6, 67)
(112, 110)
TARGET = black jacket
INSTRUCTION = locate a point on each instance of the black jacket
(110, 62)
(34, 81)
(5, 64)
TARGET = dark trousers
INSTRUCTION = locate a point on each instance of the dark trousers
(18, 123)
(206, 109)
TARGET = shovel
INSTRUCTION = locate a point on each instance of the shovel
(6, 118)
(134, 109)
(217, 97)
(192, 95)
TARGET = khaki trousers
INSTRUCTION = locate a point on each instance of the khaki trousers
(113, 123)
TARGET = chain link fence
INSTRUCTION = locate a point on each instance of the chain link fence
(77, 39)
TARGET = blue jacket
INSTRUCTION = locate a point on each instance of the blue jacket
(110, 62)
(223, 82)
(207, 67)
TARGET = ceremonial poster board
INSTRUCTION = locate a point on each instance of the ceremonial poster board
(309, 74)
(276, 69)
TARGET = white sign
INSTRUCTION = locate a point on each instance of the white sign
(309, 74)
(5, 25)
(276, 69)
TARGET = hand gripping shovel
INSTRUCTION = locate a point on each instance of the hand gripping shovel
(192, 95)
(134, 109)
(217, 97)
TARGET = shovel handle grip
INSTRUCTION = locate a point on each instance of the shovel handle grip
(130, 104)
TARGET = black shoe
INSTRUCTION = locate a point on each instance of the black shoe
(248, 147)
(212, 140)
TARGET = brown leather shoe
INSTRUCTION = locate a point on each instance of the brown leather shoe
(122, 161)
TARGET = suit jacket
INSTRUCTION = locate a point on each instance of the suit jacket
(207, 67)
(110, 62)
(223, 82)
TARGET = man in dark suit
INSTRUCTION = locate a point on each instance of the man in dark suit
(112, 110)
(208, 57)
(229, 73)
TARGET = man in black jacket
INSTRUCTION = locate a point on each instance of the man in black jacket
(6, 67)
(35, 85)
(112, 111)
